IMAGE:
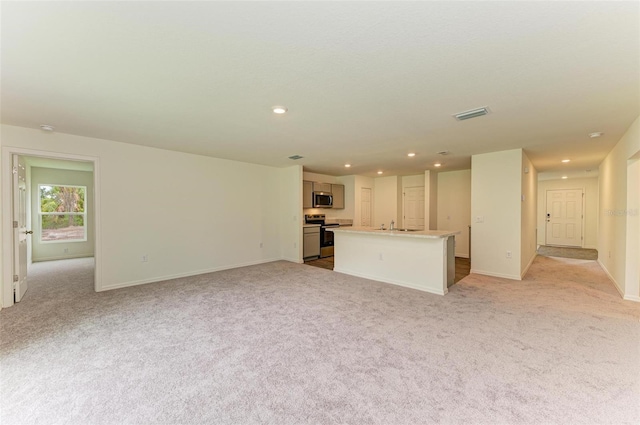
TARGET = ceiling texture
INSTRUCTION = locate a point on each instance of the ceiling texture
(364, 82)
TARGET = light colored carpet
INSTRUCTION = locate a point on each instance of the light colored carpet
(284, 343)
(567, 252)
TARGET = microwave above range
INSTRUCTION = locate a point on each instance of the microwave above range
(322, 200)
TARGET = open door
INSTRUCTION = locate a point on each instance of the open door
(20, 227)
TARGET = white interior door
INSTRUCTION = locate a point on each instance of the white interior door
(365, 207)
(20, 227)
(414, 208)
(564, 217)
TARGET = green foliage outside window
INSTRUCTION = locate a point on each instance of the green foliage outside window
(62, 213)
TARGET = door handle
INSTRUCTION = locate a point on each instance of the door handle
(28, 232)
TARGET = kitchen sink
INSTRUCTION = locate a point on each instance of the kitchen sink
(405, 230)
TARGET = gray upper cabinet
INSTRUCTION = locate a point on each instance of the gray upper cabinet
(337, 190)
(321, 187)
(307, 194)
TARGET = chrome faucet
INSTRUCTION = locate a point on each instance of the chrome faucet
(391, 225)
(382, 226)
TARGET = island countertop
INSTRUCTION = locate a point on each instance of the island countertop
(432, 234)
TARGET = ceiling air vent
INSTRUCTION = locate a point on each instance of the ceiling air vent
(471, 114)
(294, 157)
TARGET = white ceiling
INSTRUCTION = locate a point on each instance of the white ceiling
(365, 83)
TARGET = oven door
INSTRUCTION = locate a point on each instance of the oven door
(326, 240)
(326, 235)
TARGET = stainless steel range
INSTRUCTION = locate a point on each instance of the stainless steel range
(326, 235)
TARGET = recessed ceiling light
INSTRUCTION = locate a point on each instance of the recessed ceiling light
(379, 172)
(596, 134)
(566, 160)
(437, 164)
(279, 110)
(564, 177)
(47, 127)
(411, 154)
(347, 165)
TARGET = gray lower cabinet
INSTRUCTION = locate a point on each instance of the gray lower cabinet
(307, 194)
(311, 242)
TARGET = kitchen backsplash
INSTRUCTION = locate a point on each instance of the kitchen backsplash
(340, 221)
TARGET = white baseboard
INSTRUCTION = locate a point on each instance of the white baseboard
(632, 298)
(506, 276)
(526, 269)
(612, 279)
(393, 282)
(292, 260)
(61, 257)
(180, 275)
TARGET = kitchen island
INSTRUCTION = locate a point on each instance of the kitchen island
(423, 260)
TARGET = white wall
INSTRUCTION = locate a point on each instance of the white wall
(2, 209)
(632, 270)
(454, 207)
(290, 236)
(348, 212)
(56, 251)
(590, 187)
(319, 178)
(430, 200)
(412, 181)
(496, 186)
(190, 214)
(614, 214)
(528, 205)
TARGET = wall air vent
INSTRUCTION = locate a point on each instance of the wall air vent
(471, 114)
(294, 157)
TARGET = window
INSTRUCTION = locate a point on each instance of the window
(63, 216)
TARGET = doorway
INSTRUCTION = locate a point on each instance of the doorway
(564, 217)
(413, 208)
(365, 207)
(15, 256)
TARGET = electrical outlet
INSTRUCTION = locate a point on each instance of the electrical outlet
(260, 244)
(145, 258)
(508, 254)
(380, 256)
(66, 250)
(480, 219)
(295, 245)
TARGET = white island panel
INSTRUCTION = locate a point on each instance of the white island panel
(417, 260)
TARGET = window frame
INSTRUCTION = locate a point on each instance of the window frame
(42, 214)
